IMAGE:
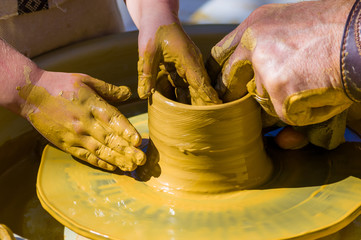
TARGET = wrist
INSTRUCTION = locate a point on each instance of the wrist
(16, 71)
(151, 14)
(23, 89)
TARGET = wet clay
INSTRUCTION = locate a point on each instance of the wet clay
(303, 108)
(119, 207)
(307, 107)
(291, 205)
(205, 149)
(221, 53)
(6, 233)
(248, 40)
(234, 82)
(328, 134)
(323, 126)
(65, 118)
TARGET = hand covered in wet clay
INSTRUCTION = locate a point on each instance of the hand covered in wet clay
(164, 44)
(71, 111)
(289, 57)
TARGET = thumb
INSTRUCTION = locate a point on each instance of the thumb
(236, 73)
(235, 79)
(108, 91)
(148, 65)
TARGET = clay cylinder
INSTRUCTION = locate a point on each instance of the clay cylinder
(206, 149)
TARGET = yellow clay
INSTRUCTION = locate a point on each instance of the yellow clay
(205, 149)
(291, 205)
(328, 134)
(314, 105)
(180, 57)
(248, 40)
(264, 100)
(145, 85)
(104, 205)
(240, 74)
(313, 111)
(6, 233)
(80, 122)
(27, 71)
(306, 107)
(221, 53)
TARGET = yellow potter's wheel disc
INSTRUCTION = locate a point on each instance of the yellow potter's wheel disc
(313, 193)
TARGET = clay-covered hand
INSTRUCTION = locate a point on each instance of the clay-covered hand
(71, 111)
(288, 55)
(163, 42)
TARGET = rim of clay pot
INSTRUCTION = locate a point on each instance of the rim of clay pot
(175, 104)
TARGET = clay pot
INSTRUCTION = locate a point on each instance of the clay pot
(206, 149)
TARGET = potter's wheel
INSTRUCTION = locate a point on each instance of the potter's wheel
(313, 193)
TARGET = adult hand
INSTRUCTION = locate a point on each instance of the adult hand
(71, 112)
(163, 42)
(290, 53)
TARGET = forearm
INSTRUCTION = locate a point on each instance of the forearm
(159, 12)
(16, 70)
(149, 15)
